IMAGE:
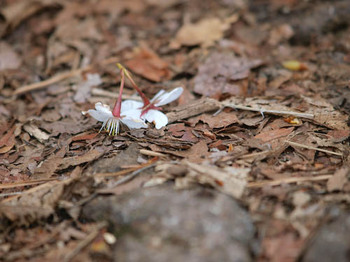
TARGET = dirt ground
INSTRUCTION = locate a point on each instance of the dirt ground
(253, 164)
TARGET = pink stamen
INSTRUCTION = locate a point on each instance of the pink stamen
(118, 104)
(145, 100)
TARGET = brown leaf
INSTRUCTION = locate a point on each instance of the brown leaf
(197, 153)
(19, 11)
(229, 180)
(149, 65)
(274, 134)
(50, 165)
(221, 120)
(77, 160)
(40, 202)
(221, 73)
(338, 180)
(9, 59)
(204, 32)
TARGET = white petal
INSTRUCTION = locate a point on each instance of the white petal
(130, 104)
(100, 115)
(159, 118)
(102, 107)
(158, 95)
(132, 119)
(133, 113)
(169, 97)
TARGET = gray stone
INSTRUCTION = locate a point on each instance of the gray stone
(331, 242)
(162, 224)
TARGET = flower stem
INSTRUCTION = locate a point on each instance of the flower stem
(118, 104)
(145, 100)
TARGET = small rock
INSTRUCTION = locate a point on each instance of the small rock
(162, 224)
(331, 242)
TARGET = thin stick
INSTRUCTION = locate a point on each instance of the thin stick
(151, 153)
(262, 153)
(288, 180)
(268, 111)
(50, 81)
(85, 242)
(26, 183)
(132, 175)
(60, 77)
(314, 148)
(124, 172)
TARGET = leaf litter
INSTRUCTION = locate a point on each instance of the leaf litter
(262, 119)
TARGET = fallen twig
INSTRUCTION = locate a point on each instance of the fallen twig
(151, 153)
(313, 148)
(26, 183)
(60, 77)
(288, 180)
(268, 111)
(85, 242)
(126, 171)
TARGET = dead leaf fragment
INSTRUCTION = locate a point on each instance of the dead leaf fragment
(229, 180)
(149, 65)
(221, 120)
(17, 12)
(274, 134)
(9, 59)
(40, 202)
(221, 73)
(204, 32)
(338, 180)
(36, 132)
(77, 160)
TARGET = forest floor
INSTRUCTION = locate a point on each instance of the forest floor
(252, 166)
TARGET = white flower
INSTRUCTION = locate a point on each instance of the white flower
(151, 112)
(128, 116)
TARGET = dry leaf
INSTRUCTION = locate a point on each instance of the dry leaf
(274, 134)
(20, 10)
(36, 132)
(204, 32)
(40, 202)
(221, 73)
(77, 160)
(229, 180)
(221, 120)
(338, 180)
(9, 59)
(148, 64)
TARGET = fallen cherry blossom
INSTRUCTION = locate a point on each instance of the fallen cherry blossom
(150, 110)
(125, 114)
